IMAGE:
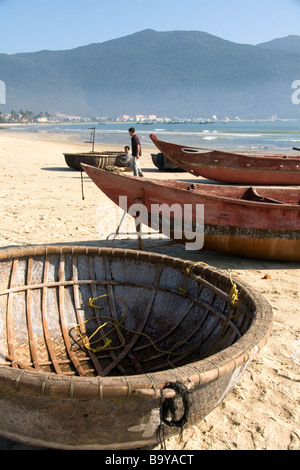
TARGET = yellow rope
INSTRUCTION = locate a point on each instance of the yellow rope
(116, 327)
(183, 289)
(87, 342)
(233, 293)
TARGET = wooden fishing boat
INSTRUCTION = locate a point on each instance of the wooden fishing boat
(233, 168)
(244, 221)
(98, 159)
(163, 163)
(96, 343)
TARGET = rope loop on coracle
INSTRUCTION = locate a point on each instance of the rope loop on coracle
(168, 409)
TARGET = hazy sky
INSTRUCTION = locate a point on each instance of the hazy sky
(34, 25)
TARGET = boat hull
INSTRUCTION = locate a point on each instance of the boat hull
(230, 225)
(56, 393)
(250, 243)
(233, 168)
(98, 159)
(163, 163)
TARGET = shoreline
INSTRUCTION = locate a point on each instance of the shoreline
(41, 203)
(234, 139)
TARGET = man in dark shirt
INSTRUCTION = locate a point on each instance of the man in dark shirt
(136, 150)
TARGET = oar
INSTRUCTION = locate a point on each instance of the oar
(296, 148)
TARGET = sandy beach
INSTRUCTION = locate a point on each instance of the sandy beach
(42, 203)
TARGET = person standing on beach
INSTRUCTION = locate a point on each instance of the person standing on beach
(136, 150)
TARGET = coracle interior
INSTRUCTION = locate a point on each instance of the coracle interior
(88, 315)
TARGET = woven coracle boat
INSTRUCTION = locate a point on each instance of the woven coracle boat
(163, 163)
(96, 343)
(98, 159)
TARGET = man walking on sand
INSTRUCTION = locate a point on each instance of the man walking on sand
(136, 150)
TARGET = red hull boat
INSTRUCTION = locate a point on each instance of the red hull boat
(256, 223)
(233, 168)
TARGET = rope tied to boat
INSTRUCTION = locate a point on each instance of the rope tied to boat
(87, 343)
(168, 410)
(233, 293)
(116, 326)
(183, 289)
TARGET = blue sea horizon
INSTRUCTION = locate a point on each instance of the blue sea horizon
(255, 136)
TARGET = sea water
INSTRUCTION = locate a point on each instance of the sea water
(241, 136)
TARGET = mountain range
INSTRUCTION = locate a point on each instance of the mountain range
(176, 73)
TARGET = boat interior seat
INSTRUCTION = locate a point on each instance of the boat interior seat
(251, 194)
